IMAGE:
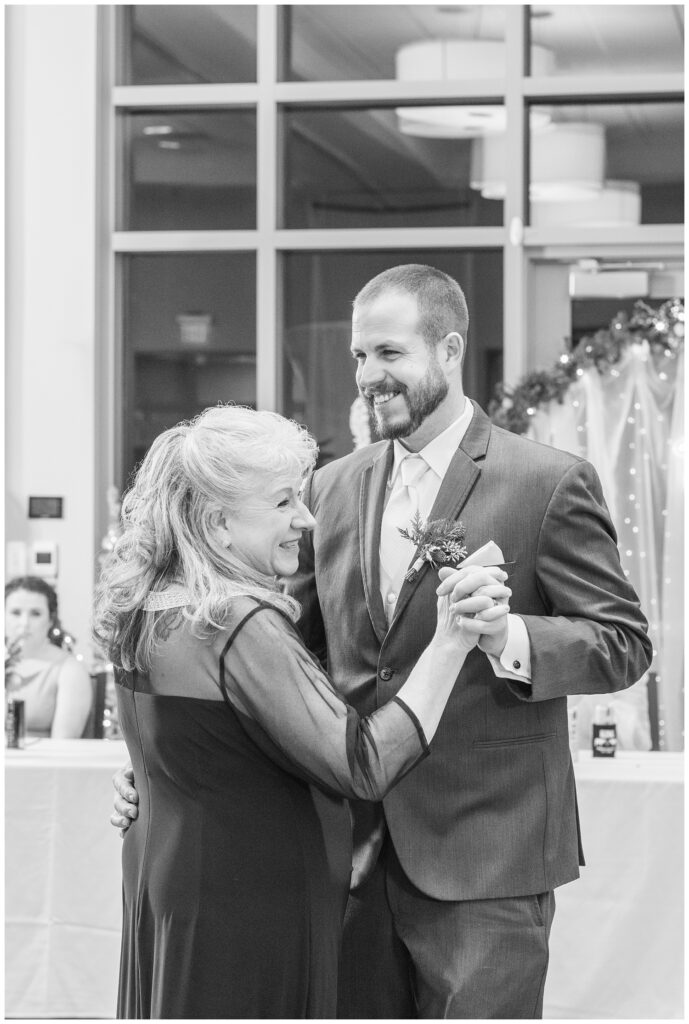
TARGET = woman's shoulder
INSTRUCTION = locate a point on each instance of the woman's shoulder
(252, 617)
(73, 669)
(243, 608)
(54, 655)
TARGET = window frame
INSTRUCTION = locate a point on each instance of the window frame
(520, 243)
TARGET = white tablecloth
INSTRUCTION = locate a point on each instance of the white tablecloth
(616, 944)
(617, 949)
(62, 879)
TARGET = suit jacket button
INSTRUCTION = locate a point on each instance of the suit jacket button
(385, 674)
(516, 664)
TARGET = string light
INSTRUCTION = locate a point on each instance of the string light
(648, 336)
(646, 331)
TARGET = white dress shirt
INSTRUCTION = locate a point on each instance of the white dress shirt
(515, 660)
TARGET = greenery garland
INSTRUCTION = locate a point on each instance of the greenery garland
(662, 329)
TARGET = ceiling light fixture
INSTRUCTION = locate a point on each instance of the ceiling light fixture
(449, 60)
(567, 163)
(618, 203)
(158, 129)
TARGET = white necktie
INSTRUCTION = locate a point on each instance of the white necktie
(395, 551)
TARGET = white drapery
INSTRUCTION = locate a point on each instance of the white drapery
(629, 422)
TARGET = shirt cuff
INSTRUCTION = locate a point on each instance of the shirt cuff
(515, 660)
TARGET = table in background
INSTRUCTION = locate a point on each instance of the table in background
(62, 879)
(617, 944)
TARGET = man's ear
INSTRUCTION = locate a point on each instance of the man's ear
(453, 345)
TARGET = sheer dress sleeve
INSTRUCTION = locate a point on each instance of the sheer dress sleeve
(273, 681)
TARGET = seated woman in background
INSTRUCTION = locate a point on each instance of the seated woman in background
(54, 685)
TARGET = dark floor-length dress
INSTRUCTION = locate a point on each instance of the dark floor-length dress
(235, 873)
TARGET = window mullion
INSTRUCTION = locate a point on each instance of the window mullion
(267, 361)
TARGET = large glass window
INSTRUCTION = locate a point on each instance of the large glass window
(318, 370)
(384, 167)
(609, 39)
(177, 44)
(375, 129)
(188, 170)
(189, 340)
(606, 165)
(338, 42)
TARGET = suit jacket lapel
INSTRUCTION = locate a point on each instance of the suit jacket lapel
(372, 499)
(458, 483)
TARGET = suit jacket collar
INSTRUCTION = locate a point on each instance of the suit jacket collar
(458, 483)
(371, 503)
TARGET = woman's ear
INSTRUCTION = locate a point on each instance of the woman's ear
(220, 528)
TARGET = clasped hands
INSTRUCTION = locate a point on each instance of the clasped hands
(476, 600)
(473, 603)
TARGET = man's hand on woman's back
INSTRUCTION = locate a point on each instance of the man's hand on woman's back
(126, 799)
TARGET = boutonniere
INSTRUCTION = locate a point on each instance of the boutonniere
(439, 542)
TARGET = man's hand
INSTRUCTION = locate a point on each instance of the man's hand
(126, 799)
(489, 624)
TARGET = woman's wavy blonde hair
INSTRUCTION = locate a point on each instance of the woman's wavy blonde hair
(192, 474)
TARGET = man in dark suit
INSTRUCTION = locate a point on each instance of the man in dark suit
(454, 874)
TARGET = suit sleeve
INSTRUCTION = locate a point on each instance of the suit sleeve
(305, 725)
(594, 638)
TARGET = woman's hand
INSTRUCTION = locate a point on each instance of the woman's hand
(470, 602)
(13, 651)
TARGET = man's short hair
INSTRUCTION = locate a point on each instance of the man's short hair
(440, 300)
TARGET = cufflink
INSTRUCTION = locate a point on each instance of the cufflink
(516, 664)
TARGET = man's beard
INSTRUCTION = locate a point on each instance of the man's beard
(421, 400)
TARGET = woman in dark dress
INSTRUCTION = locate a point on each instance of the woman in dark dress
(236, 871)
